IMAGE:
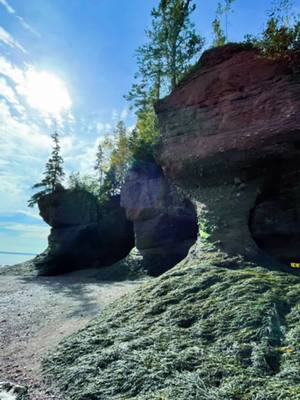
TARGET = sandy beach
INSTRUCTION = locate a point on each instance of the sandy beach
(37, 312)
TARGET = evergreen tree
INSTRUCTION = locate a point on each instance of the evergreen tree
(53, 174)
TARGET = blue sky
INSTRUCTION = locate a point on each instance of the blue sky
(87, 47)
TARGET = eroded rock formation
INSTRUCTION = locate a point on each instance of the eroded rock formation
(215, 326)
(165, 223)
(226, 129)
(83, 235)
(153, 217)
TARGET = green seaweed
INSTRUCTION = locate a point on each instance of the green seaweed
(200, 331)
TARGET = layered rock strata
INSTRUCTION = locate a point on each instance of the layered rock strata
(226, 129)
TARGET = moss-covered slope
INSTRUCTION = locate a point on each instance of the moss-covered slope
(200, 331)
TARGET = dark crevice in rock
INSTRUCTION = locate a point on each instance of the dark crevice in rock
(275, 219)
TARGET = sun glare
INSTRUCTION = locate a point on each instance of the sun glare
(47, 93)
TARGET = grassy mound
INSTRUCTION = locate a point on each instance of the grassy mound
(200, 331)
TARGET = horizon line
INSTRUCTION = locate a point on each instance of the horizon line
(17, 253)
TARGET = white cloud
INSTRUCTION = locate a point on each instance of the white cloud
(26, 230)
(43, 91)
(14, 73)
(124, 114)
(7, 39)
(11, 10)
(10, 95)
(115, 115)
(31, 214)
(100, 127)
(28, 27)
(119, 115)
(7, 6)
(24, 149)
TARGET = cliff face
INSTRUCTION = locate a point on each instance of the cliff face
(219, 325)
(231, 138)
(164, 222)
(83, 235)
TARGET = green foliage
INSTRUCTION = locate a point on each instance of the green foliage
(144, 136)
(172, 45)
(150, 77)
(180, 41)
(112, 162)
(120, 155)
(53, 174)
(87, 183)
(219, 36)
(278, 39)
(282, 32)
(223, 10)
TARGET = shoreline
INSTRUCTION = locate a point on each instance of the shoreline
(36, 313)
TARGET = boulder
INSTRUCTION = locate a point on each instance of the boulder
(83, 234)
(226, 129)
(165, 224)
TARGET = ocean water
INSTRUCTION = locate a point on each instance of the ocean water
(14, 258)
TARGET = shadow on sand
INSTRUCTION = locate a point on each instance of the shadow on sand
(90, 288)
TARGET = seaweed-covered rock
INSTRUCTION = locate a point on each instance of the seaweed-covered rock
(83, 234)
(226, 129)
(165, 223)
(200, 331)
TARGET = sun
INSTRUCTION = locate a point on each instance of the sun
(47, 93)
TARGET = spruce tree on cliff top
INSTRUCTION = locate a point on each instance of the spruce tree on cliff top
(53, 174)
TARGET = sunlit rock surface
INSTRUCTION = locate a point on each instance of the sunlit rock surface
(228, 130)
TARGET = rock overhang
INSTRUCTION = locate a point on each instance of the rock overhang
(235, 111)
(230, 138)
